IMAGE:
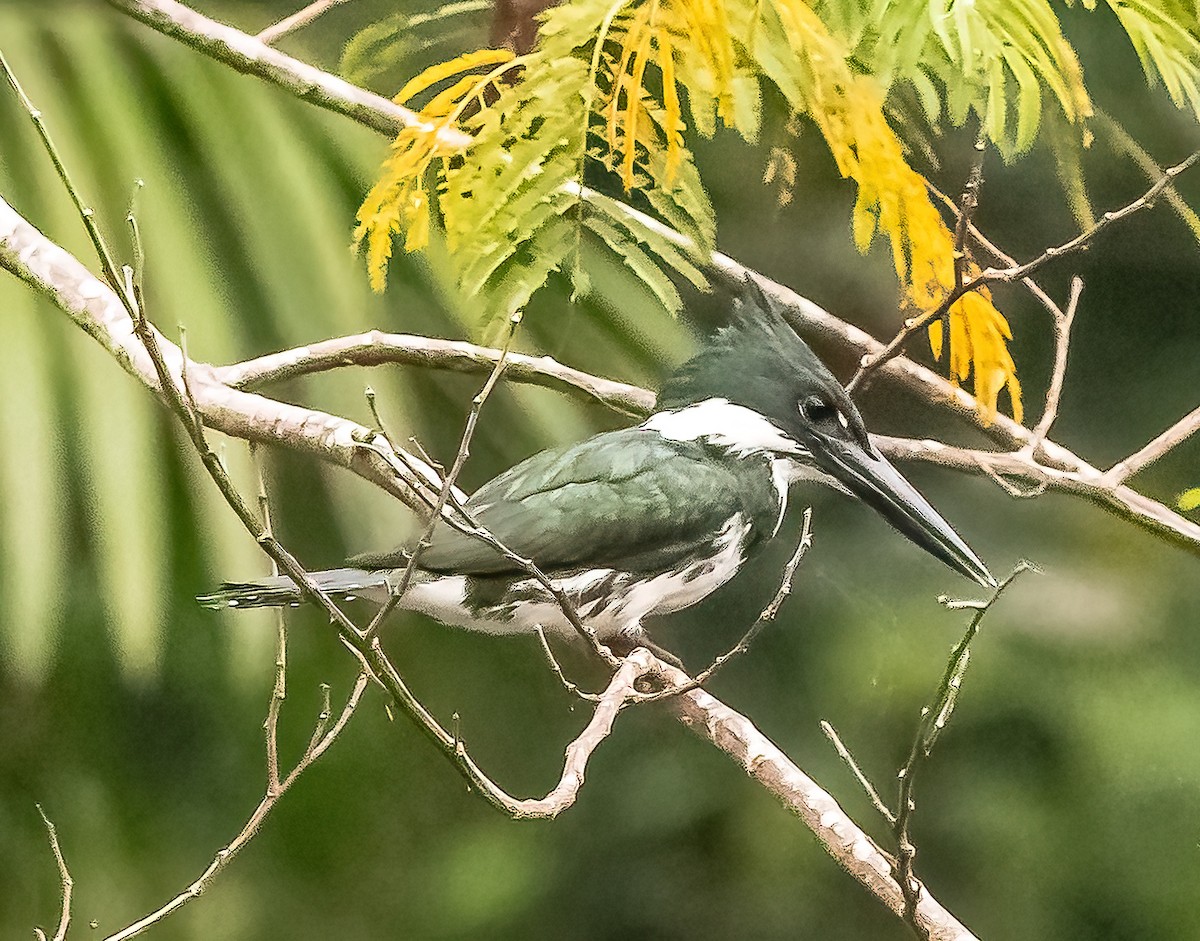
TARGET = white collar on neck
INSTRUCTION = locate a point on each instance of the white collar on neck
(737, 429)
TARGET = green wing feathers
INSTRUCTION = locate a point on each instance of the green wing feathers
(627, 499)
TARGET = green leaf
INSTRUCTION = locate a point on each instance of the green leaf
(1166, 37)
(650, 274)
(381, 45)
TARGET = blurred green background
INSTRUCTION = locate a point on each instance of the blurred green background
(1064, 802)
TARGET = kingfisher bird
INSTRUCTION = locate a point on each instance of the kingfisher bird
(648, 520)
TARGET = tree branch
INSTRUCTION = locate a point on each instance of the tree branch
(203, 402)
(1062, 341)
(244, 53)
(252, 57)
(96, 309)
(376, 348)
(1173, 436)
(90, 303)
(298, 20)
(1081, 480)
(1016, 272)
(841, 837)
(64, 875)
(933, 720)
(225, 856)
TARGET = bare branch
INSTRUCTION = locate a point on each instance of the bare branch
(252, 826)
(966, 209)
(1062, 340)
(376, 348)
(841, 837)
(557, 670)
(1173, 436)
(1121, 142)
(933, 719)
(1015, 272)
(298, 20)
(1081, 480)
(64, 875)
(1083, 239)
(243, 52)
(246, 54)
(279, 688)
(766, 617)
(97, 308)
(997, 254)
(863, 781)
(173, 19)
(396, 592)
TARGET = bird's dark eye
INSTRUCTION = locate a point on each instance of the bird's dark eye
(817, 410)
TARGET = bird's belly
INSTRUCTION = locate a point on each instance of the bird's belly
(607, 600)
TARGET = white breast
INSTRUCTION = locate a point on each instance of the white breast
(629, 600)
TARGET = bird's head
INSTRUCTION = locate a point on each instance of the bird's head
(756, 386)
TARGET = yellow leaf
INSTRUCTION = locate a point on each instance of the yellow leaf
(457, 65)
(935, 338)
(673, 122)
(633, 99)
(417, 236)
(1189, 499)
(620, 83)
(444, 102)
(893, 199)
(864, 226)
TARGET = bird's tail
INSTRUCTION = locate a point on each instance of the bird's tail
(343, 584)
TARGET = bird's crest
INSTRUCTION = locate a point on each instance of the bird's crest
(755, 344)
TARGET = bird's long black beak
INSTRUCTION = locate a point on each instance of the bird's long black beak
(871, 477)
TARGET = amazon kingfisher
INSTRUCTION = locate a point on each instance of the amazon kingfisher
(644, 521)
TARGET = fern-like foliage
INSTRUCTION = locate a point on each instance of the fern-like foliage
(512, 199)
(614, 87)
(1006, 61)
(1166, 35)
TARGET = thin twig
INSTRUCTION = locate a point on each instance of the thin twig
(841, 837)
(248, 55)
(297, 20)
(457, 515)
(868, 788)
(997, 254)
(1081, 480)
(323, 717)
(396, 592)
(764, 618)
(48, 269)
(557, 670)
(1062, 341)
(1121, 142)
(375, 348)
(64, 875)
(966, 210)
(1085, 238)
(933, 719)
(127, 286)
(1144, 457)
(253, 823)
(1017, 272)
(279, 687)
(373, 660)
